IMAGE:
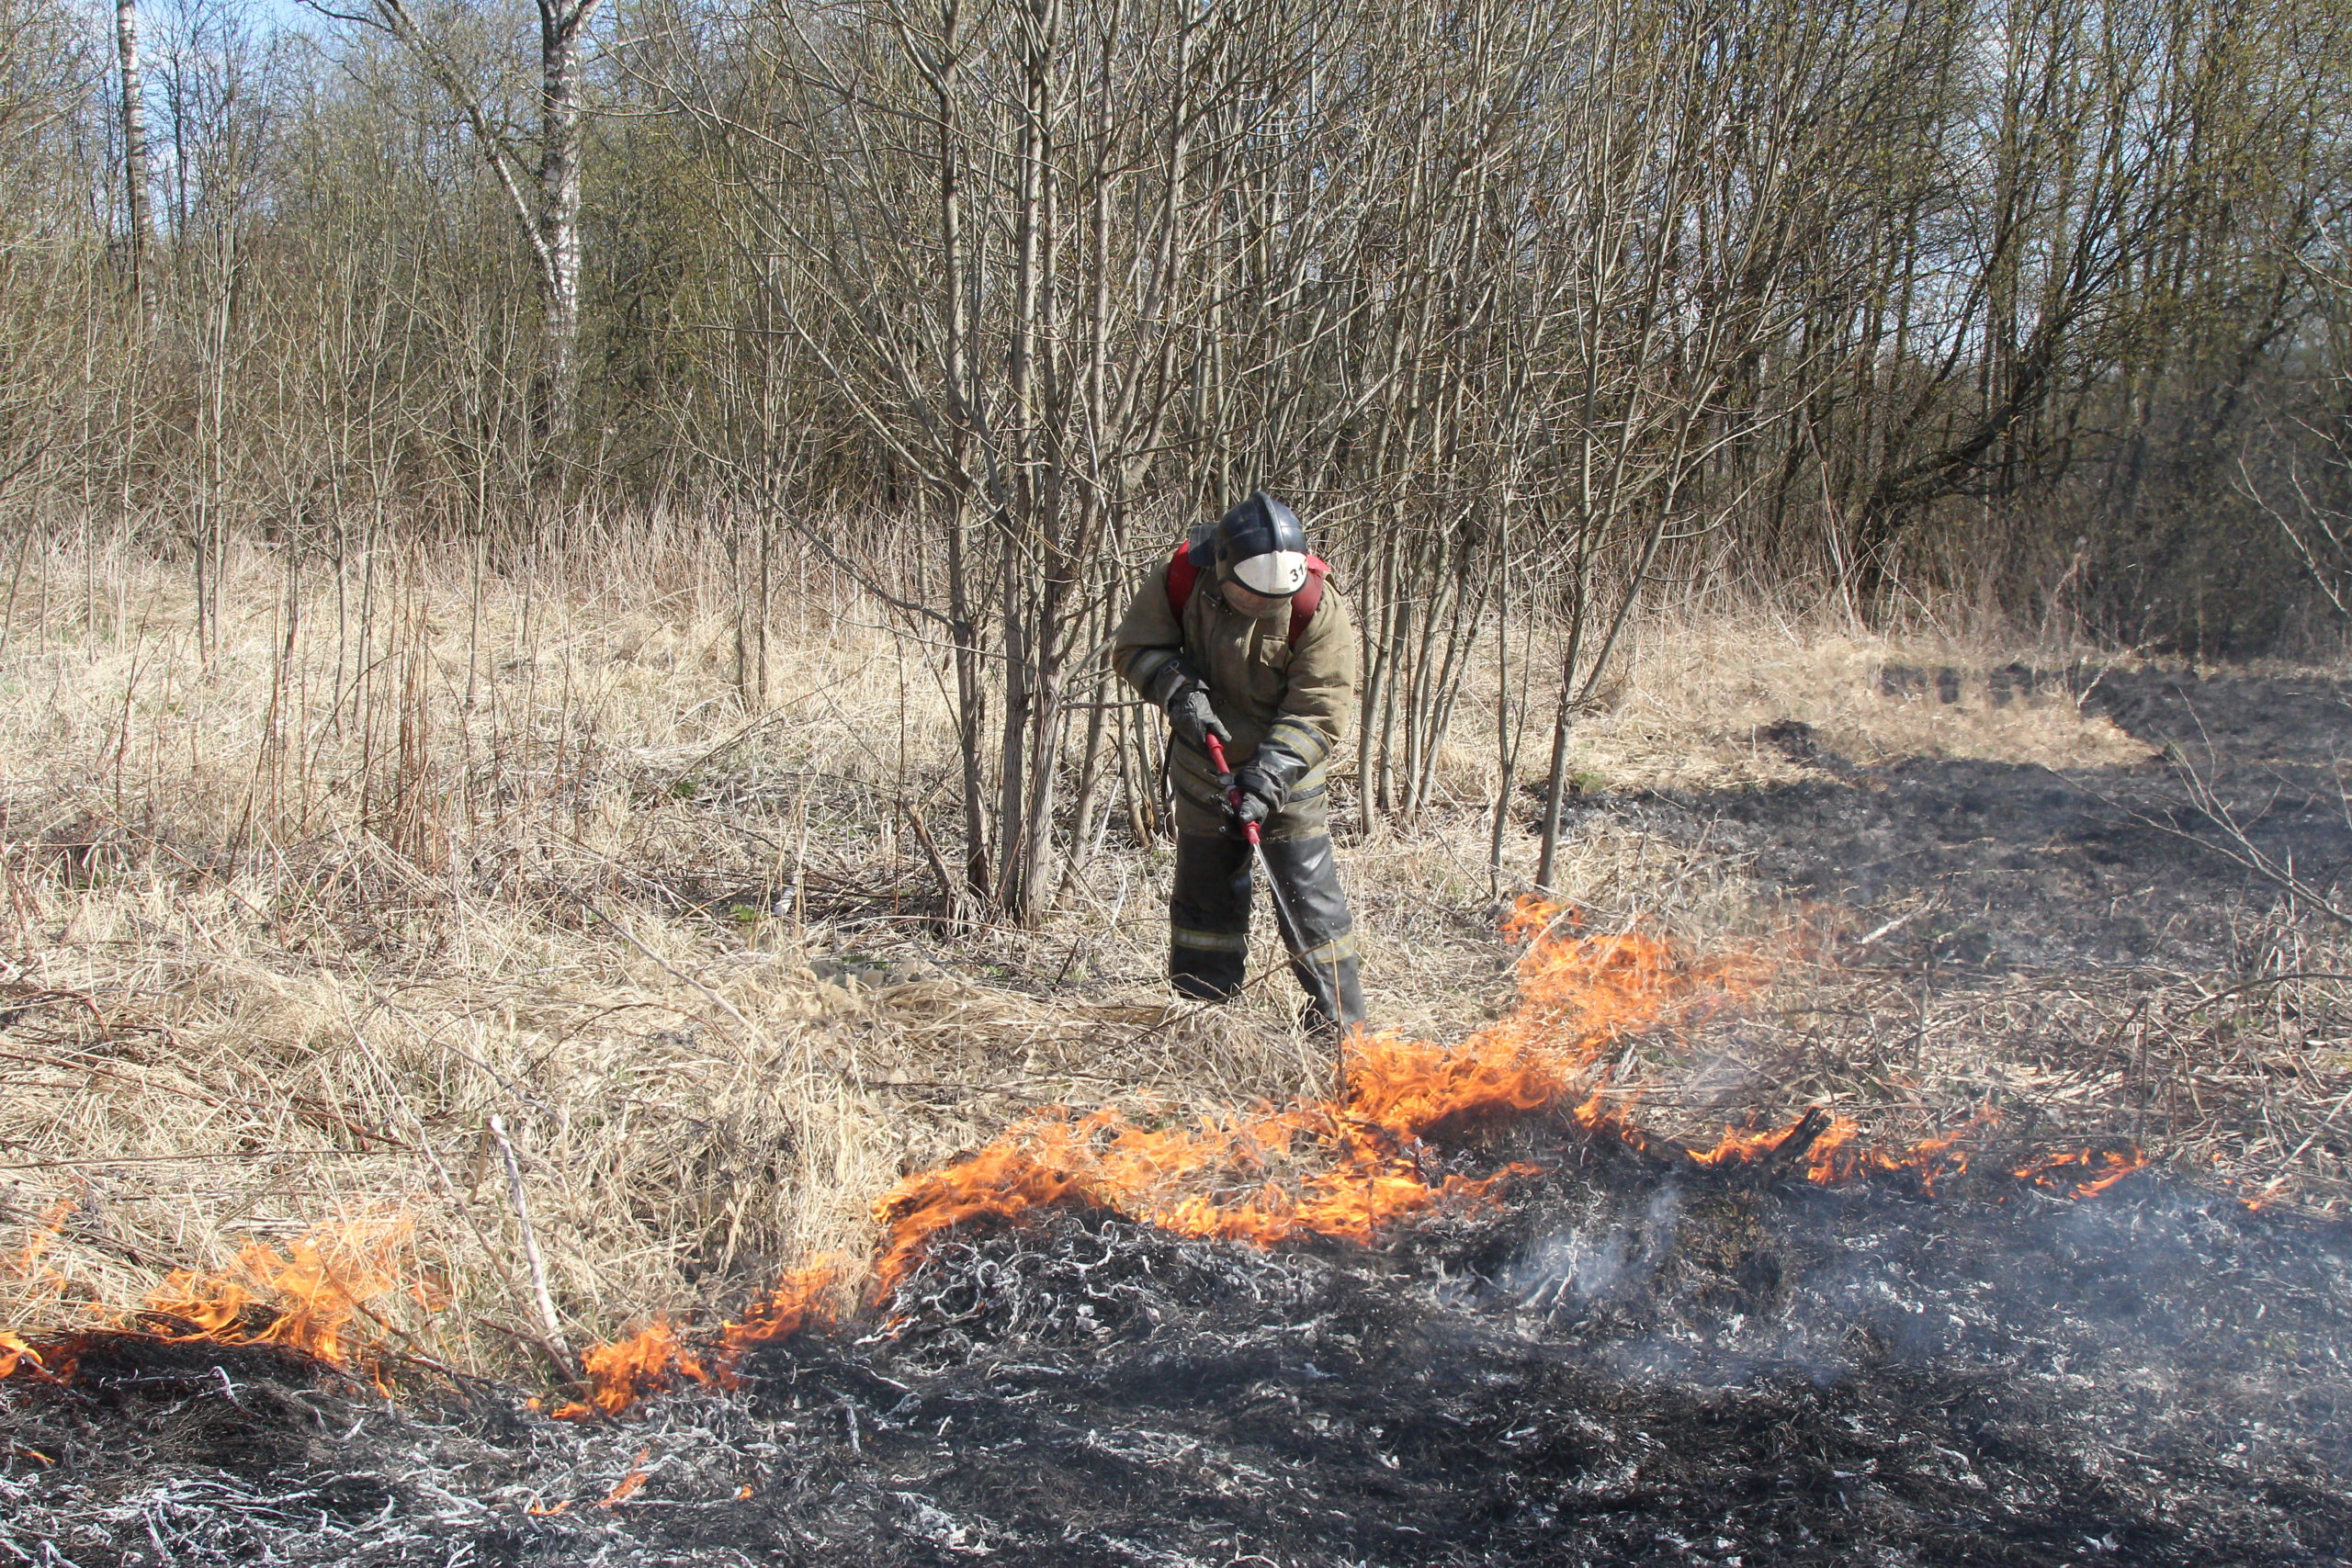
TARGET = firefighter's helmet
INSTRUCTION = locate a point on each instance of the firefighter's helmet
(1261, 546)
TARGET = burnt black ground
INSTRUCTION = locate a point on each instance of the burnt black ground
(1642, 1367)
(1632, 1362)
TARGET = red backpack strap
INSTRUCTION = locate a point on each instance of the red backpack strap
(1302, 602)
(1183, 576)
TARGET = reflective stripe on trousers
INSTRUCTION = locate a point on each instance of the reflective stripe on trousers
(1208, 911)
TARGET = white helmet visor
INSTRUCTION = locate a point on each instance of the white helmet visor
(1277, 574)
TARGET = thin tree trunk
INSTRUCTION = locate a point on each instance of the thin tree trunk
(134, 146)
(561, 24)
(1556, 776)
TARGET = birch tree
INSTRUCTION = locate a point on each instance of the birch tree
(540, 176)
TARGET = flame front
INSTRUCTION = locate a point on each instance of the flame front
(656, 1359)
(2084, 1172)
(310, 1298)
(1347, 1168)
(1834, 1154)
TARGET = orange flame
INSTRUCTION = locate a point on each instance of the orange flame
(311, 1298)
(1836, 1156)
(621, 1373)
(1346, 1168)
(627, 1488)
(15, 1352)
(2081, 1173)
(802, 1298)
(655, 1358)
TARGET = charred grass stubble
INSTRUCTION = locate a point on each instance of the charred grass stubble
(415, 847)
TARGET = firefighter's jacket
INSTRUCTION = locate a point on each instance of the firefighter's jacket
(1261, 687)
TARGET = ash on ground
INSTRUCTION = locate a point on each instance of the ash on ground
(1633, 1361)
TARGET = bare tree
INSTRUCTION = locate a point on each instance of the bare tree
(544, 191)
(978, 303)
(2297, 465)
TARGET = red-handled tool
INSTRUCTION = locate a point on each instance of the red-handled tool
(1233, 795)
(1291, 936)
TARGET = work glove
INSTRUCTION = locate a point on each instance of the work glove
(1195, 720)
(1259, 794)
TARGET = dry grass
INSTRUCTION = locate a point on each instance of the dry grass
(287, 929)
(1694, 714)
(288, 926)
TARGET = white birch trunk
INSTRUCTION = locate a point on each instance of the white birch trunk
(134, 143)
(562, 22)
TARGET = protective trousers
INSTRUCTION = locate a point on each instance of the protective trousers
(1208, 918)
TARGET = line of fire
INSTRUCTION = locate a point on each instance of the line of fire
(1467, 1306)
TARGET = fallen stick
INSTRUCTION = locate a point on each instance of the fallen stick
(557, 1343)
(1794, 1144)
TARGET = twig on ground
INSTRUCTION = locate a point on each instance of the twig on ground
(556, 1345)
(951, 897)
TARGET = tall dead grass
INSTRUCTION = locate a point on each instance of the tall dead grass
(421, 844)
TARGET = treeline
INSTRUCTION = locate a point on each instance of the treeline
(2043, 302)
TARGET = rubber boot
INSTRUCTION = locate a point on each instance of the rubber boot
(1208, 917)
(1323, 946)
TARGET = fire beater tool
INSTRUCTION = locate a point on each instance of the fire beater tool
(1291, 938)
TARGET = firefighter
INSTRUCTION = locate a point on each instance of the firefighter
(1241, 636)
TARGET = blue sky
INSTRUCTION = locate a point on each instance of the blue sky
(281, 12)
(275, 14)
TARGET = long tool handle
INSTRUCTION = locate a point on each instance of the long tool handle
(1293, 938)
